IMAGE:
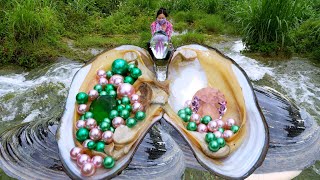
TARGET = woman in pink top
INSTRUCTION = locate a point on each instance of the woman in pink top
(162, 23)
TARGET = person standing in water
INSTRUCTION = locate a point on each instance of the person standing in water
(161, 23)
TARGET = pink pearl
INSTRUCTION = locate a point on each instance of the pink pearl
(93, 94)
(230, 122)
(80, 124)
(75, 152)
(220, 123)
(117, 121)
(88, 169)
(116, 80)
(97, 161)
(135, 98)
(202, 128)
(91, 123)
(218, 134)
(95, 134)
(187, 103)
(101, 74)
(137, 107)
(82, 108)
(125, 89)
(103, 81)
(227, 134)
(107, 137)
(212, 126)
(195, 118)
(85, 143)
(82, 159)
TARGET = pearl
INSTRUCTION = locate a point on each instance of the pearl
(82, 98)
(214, 146)
(98, 88)
(85, 143)
(113, 114)
(100, 146)
(137, 107)
(97, 161)
(82, 134)
(221, 129)
(116, 80)
(131, 122)
(125, 114)
(125, 100)
(135, 98)
(119, 66)
(234, 128)
(88, 115)
(111, 129)
(227, 134)
(80, 124)
(209, 137)
(82, 159)
(103, 93)
(117, 121)
(120, 108)
(125, 89)
(91, 123)
(230, 122)
(192, 126)
(91, 145)
(104, 126)
(109, 74)
(131, 66)
(108, 162)
(107, 137)
(212, 126)
(140, 115)
(82, 108)
(202, 128)
(75, 152)
(188, 110)
(88, 169)
(112, 93)
(135, 72)
(195, 118)
(184, 117)
(182, 111)
(220, 123)
(128, 107)
(101, 74)
(221, 142)
(109, 87)
(95, 134)
(217, 134)
(129, 79)
(107, 120)
(103, 81)
(188, 103)
(206, 119)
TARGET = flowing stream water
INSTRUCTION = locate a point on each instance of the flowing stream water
(40, 94)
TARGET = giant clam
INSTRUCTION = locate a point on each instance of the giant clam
(38, 137)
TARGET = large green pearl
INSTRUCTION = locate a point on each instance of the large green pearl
(112, 93)
(234, 128)
(108, 162)
(184, 117)
(111, 129)
(221, 129)
(91, 145)
(120, 66)
(129, 79)
(188, 111)
(214, 146)
(192, 126)
(125, 114)
(100, 146)
(206, 119)
(109, 74)
(88, 115)
(210, 137)
(135, 72)
(113, 114)
(130, 67)
(120, 107)
(181, 111)
(221, 142)
(125, 100)
(140, 115)
(82, 134)
(107, 120)
(98, 88)
(82, 98)
(104, 126)
(109, 87)
(131, 122)
(102, 107)
(103, 93)
(128, 107)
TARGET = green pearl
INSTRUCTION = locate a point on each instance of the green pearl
(98, 88)
(100, 146)
(91, 145)
(102, 107)
(125, 114)
(88, 115)
(107, 120)
(234, 128)
(104, 126)
(120, 108)
(82, 98)
(140, 115)
(108, 162)
(181, 111)
(125, 100)
(188, 118)
(135, 73)
(131, 66)
(111, 129)
(128, 107)
(192, 126)
(209, 137)
(221, 129)
(184, 117)
(129, 79)
(188, 111)
(82, 134)
(112, 93)
(221, 142)
(109, 74)
(103, 93)
(109, 87)
(118, 102)
(206, 119)
(120, 66)
(130, 122)
(214, 146)
(82, 117)
(113, 114)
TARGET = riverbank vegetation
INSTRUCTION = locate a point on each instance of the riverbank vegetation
(36, 31)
